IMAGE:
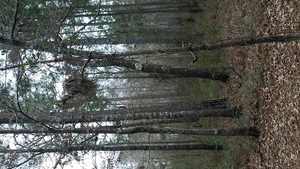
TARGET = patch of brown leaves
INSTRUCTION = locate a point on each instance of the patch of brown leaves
(280, 97)
(277, 96)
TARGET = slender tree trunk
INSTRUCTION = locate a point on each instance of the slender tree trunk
(220, 74)
(147, 96)
(118, 115)
(243, 131)
(97, 55)
(143, 11)
(210, 108)
(131, 22)
(216, 74)
(248, 41)
(191, 146)
(131, 40)
(157, 122)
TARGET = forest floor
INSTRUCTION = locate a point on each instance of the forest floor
(267, 79)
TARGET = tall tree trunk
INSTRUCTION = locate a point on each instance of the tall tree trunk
(220, 74)
(242, 131)
(97, 55)
(130, 40)
(117, 115)
(65, 149)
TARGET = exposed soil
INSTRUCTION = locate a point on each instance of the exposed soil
(267, 79)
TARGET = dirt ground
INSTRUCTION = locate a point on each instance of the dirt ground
(267, 79)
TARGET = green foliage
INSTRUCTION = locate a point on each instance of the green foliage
(208, 59)
(198, 89)
(201, 89)
(73, 38)
(206, 25)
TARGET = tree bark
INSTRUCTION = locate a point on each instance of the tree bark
(158, 122)
(125, 40)
(213, 73)
(64, 149)
(248, 41)
(220, 74)
(98, 55)
(243, 131)
(117, 115)
(210, 108)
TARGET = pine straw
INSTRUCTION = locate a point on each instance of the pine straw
(271, 102)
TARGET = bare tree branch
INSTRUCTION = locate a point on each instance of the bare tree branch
(24, 114)
(15, 19)
(121, 147)
(25, 161)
